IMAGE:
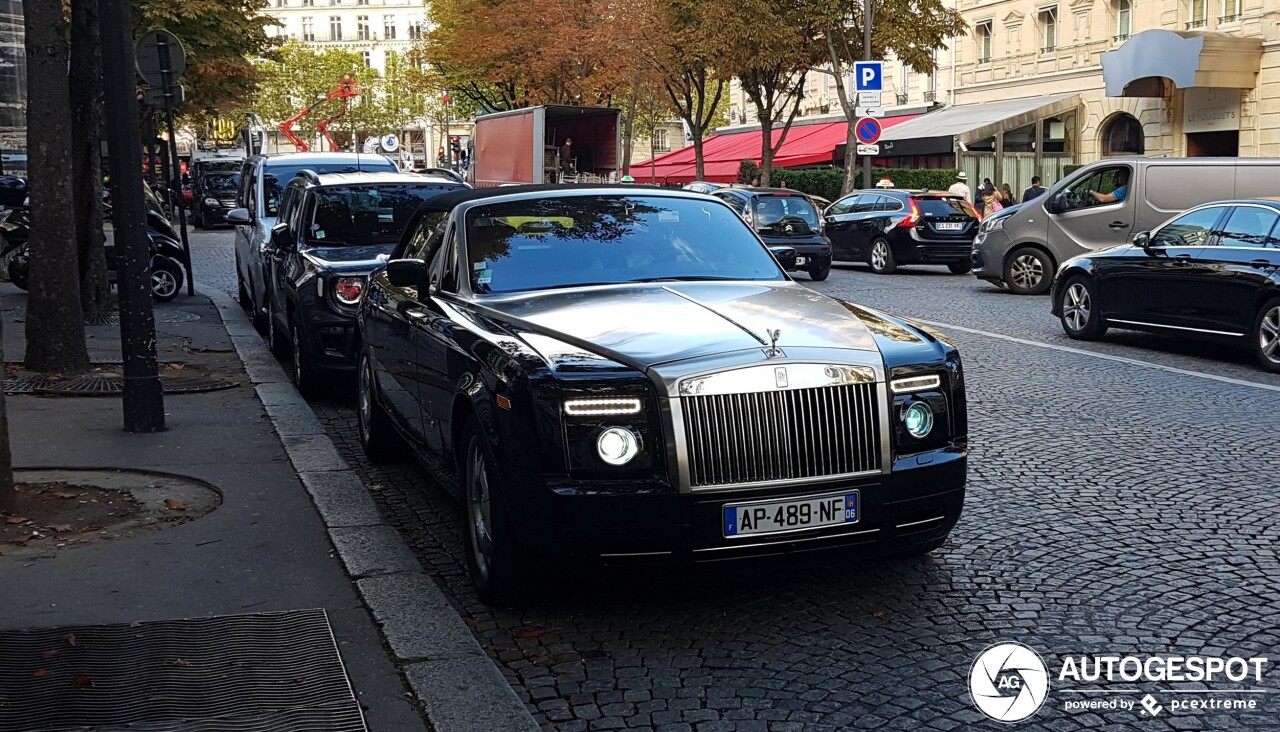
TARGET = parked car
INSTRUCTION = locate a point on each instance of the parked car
(626, 374)
(784, 218)
(333, 230)
(1213, 272)
(702, 186)
(1023, 250)
(215, 195)
(262, 182)
(888, 227)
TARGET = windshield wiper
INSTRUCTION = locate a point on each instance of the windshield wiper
(686, 278)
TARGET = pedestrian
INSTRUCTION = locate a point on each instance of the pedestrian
(440, 158)
(783, 184)
(990, 198)
(566, 156)
(755, 181)
(961, 186)
(1035, 191)
(1006, 195)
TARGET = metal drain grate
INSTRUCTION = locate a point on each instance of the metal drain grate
(107, 385)
(274, 672)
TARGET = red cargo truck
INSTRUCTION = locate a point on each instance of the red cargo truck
(526, 146)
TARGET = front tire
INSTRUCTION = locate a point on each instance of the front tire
(18, 275)
(880, 257)
(166, 280)
(493, 558)
(379, 438)
(963, 267)
(1266, 336)
(306, 377)
(1028, 271)
(1080, 308)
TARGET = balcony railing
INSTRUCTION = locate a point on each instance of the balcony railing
(1120, 37)
(902, 99)
(1048, 49)
(1196, 24)
(1228, 18)
(930, 96)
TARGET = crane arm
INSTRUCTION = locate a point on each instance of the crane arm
(345, 90)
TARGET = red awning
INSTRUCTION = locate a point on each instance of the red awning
(805, 145)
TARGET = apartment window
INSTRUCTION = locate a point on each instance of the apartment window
(362, 27)
(1048, 29)
(1230, 11)
(1124, 19)
(335, 28)
(367, 57)
(362, 2)
(308, 3)
(333, 2)
(388, 27)
(309, 29)
(982, 34)
(1197, 13)
(415, 30)
(660, 141)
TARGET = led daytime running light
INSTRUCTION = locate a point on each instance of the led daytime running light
(915, 383)
(601, 407)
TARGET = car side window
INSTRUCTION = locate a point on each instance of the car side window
(251, 195)
(1111, 180)
(889, 203)
(842, 206)
(735, 202)
(1248, 226)
(866, 203)
(449, 274)
(287, 206)
(1193, 229)
(246, 178)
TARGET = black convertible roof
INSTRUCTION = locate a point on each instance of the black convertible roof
(448, 201)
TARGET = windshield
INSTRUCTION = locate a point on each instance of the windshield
(774, 212)
(276, 177)
(606, 239)
(222, 182)
(365, 215)
(939, 206)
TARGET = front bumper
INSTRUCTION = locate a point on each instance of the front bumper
(930, 251)
(989, 250)
(919, 502)
(329, 336)
(816, 253)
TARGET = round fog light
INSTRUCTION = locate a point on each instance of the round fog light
(617, 445)
(918, 419)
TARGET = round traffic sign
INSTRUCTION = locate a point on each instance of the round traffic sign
(867, 130)
(160, 52)
(390, 143)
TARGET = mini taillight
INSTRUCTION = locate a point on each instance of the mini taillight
(348, 290)
(913, 218)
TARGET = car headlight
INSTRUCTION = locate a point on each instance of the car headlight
(617, 445)
(348, 290)
(601, 407)
(918, 419)
(211, 202)
(992, 223)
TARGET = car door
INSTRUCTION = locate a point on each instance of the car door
(838, 226)
(434, 325)
(1233, 269)
(244, 232)
(1150, 286)
(1079, 223)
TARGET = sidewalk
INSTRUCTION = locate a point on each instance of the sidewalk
(265, 549)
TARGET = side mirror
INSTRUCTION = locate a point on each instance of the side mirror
(1143, 239)
(1054, 204)
(280, 238)
(407, 273)
(239, 216)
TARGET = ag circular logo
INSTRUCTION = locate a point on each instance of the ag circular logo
(1008, 682)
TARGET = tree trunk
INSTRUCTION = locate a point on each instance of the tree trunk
(766, 146)
(699, 166)
(628, 131)
(852, 171)
(86, 134)
(55, 322)
(8, 499)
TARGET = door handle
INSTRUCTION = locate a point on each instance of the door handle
(1117, 225)
(417, 314)
(1261, 264)
(1181, 260)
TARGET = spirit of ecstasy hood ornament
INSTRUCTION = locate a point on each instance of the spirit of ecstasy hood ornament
(772, 351)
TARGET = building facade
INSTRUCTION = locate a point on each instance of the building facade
(374, 29)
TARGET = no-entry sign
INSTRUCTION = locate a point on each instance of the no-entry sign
(867, 130)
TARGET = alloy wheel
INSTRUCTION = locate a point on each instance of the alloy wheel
(479, 508)
(879, 255)
(1269, 335)
(1076, 306)
(295, 340)
(163, 283)
(1027, 271)
(364, 399)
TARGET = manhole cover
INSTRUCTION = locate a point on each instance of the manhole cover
(275, 671)
(109, 384)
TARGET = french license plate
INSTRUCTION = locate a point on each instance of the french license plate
(802, 260)
(771, 517)
(949, 226)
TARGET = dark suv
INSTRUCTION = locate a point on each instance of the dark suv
(331, 232)
(784, 219)
(213, 196)
(889, 227)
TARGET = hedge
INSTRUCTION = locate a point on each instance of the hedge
(827, 182)
(1069, 169)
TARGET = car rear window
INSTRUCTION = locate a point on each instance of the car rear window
(774, 210)
(942, 206)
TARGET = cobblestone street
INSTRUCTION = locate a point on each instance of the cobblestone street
(1122, 500)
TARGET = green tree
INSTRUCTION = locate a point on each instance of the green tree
(909, 30)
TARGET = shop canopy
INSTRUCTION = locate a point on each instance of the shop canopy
(722, 154)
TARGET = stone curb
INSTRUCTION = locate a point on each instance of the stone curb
(458, 686)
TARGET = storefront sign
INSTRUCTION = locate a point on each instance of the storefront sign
(1208, 109)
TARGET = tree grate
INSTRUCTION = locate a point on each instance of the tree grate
(108, 385)
(161, 315)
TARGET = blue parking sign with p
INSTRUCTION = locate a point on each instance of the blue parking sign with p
(868, 76)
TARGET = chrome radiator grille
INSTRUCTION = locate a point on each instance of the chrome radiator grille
(781, 435)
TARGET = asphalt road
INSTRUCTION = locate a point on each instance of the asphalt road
(1122, 501)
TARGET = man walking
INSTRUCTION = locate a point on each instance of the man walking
(1035, 191)
(961, 187)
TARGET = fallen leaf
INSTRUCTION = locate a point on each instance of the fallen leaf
(82, 682)
(90, 528)
(531, 632)
(15, 520)
(63, 528)
(473, 623)
(175, 366)
(40, 673)
(173, 505)
(51, 654)
(65, 494)
(879, 613)
(70, 638)
(375, 487)
(179, 662)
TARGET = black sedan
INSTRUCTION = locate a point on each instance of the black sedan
(888, 227)
(213, 196)
(622, 374)
(1211, 272)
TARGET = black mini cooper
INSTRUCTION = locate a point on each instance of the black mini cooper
(626, 374)
(332, 231)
